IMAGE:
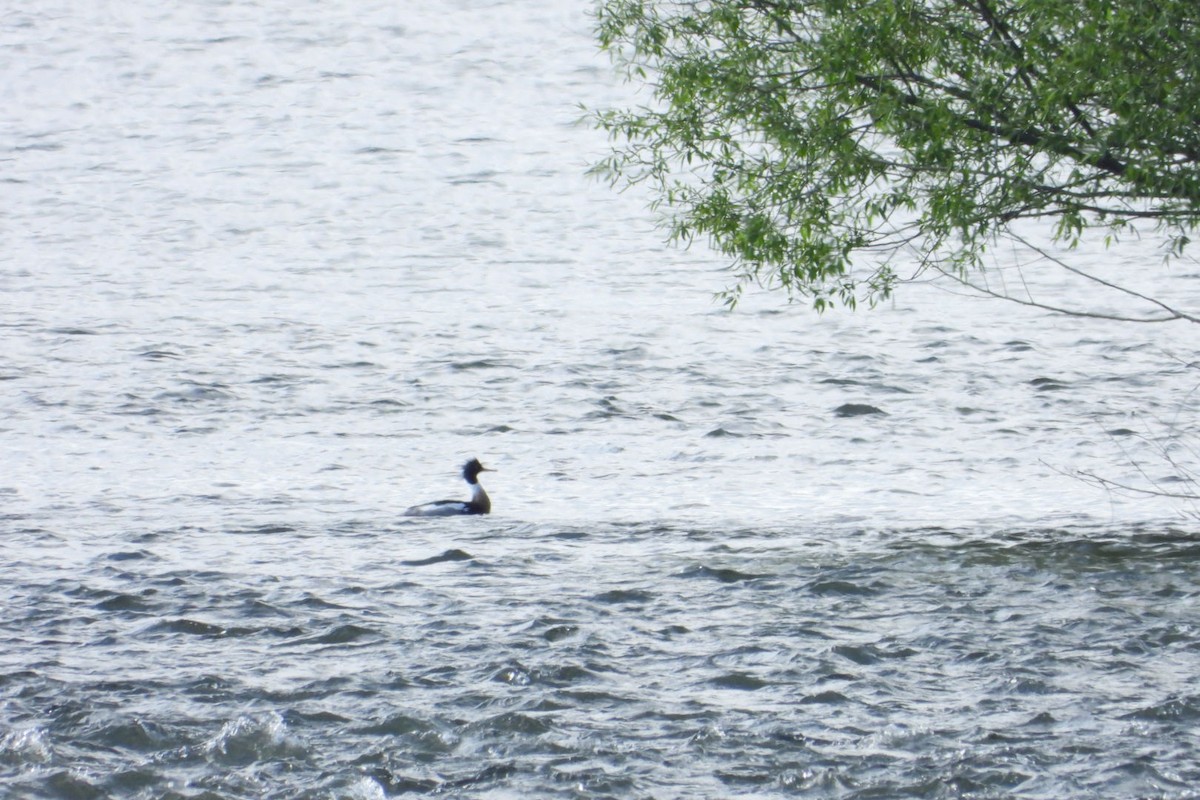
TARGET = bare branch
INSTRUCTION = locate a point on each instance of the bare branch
(1073, 312)
(1108, 483)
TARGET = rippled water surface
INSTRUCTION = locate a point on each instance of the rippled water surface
(272, 271)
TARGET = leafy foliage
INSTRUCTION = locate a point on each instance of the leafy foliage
(816, 142)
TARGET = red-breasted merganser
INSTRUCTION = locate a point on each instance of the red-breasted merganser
(478, 504)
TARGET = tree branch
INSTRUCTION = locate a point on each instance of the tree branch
(1173, 313)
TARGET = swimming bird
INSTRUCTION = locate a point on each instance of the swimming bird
(479, 503)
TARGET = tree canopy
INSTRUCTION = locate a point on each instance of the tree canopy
(828, 146)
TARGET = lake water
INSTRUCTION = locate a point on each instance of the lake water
(272, 271)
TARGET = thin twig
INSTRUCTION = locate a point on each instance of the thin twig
(1059, 309)
(1175, 313)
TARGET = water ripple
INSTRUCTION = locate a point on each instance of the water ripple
(755, 554)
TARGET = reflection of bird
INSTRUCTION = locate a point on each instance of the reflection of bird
(478, 504)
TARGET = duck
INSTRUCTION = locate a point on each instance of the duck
(479, 503)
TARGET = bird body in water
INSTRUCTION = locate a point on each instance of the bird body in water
(479, 503)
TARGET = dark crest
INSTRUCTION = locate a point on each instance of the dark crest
(471, 470)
